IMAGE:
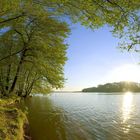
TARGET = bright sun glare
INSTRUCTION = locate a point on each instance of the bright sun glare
(127, 104)
(127, 72)
(127, 109)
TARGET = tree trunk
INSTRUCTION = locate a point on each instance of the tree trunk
(8, 77)
(17, 72)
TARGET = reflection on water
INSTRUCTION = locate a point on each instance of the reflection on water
(44, 119)
(85, 116)
(127, 106)
(127, 109)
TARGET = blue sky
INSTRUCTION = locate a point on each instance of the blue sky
(92, 57)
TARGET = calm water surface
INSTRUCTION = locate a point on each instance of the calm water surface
(84, 116)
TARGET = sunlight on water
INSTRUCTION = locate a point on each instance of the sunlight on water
(74, 116)
(127, 108)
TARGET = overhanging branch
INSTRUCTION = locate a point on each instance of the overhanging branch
(12, 18)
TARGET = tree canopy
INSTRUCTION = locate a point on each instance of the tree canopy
(122, 15)
(33, 32)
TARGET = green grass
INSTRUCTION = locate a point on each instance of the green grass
(12, 120)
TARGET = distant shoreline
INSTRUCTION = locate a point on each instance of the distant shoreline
(115, 87)
(111, 93)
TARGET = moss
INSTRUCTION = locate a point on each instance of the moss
(12, 120)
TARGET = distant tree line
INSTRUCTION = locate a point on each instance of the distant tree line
(115, 87)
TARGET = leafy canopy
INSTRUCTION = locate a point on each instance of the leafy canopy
(123, 15)
(33, 32)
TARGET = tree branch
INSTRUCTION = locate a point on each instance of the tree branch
(20, 35)
(12, 18)
(114, 3)
(11, 54)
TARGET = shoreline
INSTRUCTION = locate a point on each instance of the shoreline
(14, 124)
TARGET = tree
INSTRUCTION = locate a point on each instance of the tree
(36, 54)
(123, 15)
(115, 87)
(34, 34)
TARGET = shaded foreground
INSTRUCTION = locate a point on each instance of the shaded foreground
(13, 121)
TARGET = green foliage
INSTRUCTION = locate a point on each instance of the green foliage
(33, 49)
(115, 87)
(120, 14)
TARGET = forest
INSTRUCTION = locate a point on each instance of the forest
(115, 87)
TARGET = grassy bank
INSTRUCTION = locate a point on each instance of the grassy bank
(12, 120)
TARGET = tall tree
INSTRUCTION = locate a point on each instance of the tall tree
(37, 52)
(33, 32)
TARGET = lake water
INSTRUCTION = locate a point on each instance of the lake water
(84, 116)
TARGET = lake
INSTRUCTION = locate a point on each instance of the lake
(84, 116)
